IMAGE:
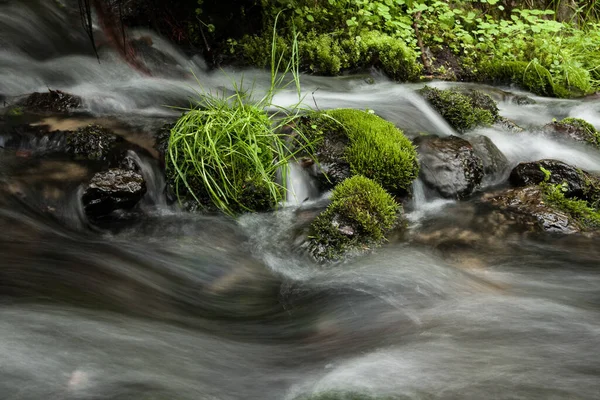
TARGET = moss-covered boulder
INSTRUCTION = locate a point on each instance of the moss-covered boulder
(573, 129)
(352, 142)
(359, 216)
(463, 111)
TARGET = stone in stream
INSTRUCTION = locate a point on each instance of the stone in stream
(579, 184)
(527, 205)
(54, 101)
(112, 190)
(449, 165)
(573, 129)
(92, 142)
(495, 164)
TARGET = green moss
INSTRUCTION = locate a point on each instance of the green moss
(395, 58)
(15, 112)
(587, 130)
(582, 211)
(322, 54)
(360, 214)
(376, 149)
(530, 75)
(462, 111)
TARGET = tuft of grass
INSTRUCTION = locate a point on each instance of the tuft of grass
(227, 152)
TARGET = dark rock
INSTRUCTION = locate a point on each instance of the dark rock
(507, 125)
(449, 165)
(34, 139)
(112, 190)
(573, 129)
(161, 143)
(579, 183)
(92, 142)
(527, 205)
(51, 101)
(495, 164)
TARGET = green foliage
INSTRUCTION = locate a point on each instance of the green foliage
(376, 149)
(359, 216)
(227, 152)
(586, 214)
(462, 111)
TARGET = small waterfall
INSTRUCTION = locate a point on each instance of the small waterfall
(299, 185)
(418, 194)
(155, 180)
(422, 204)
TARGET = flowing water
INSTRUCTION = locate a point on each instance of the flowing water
(174, 305)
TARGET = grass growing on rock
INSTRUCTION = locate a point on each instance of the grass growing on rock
(463, 111)
(359, 216)
(376, 149)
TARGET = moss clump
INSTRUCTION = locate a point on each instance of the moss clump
(530, 75)
(580, 129)
(359, 216)
(330, 54)
(374, 147)
(462, 111)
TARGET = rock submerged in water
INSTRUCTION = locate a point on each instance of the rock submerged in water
(495, 164)
(449, 165)
(54, 101)
(113, 190)
(92, 142)
(527, 205)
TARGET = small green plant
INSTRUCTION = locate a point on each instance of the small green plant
(227, 151)
(580, 210)
(360, 214)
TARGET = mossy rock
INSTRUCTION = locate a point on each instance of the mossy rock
(52, 101)
(359, 216)
(575, 129)
(354, 142)
(92, 142)
(330, 54)
(463, 111)
(529, 75)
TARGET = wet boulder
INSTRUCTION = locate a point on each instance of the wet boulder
(53, 101)
(579, 183)
(529, 207)
(449, 165)
(92, 142)
(573, 129)
(495, 164)
(113, 190)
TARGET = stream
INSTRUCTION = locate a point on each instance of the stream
(176, 305)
